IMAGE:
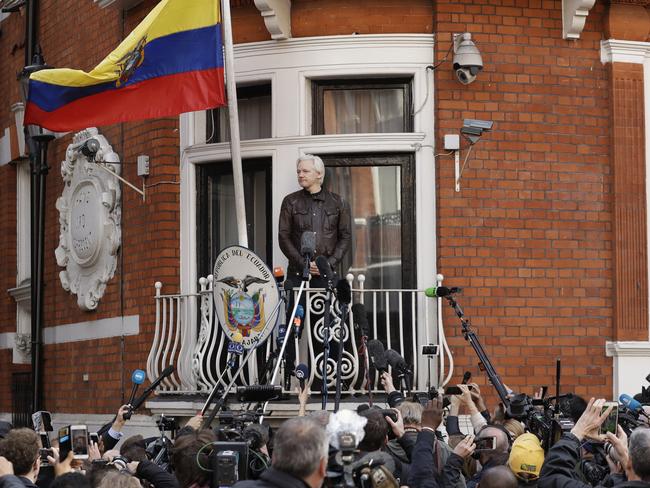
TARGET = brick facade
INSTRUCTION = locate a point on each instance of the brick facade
(530, 236)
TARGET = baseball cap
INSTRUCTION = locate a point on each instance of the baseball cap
(526, 457)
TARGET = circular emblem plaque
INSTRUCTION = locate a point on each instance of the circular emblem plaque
(85, 229)
(245, 295)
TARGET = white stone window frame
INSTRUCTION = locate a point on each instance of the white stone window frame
(631, 358)
(290, 66)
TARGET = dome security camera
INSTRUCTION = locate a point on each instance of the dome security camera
(90, 148)
(467, 58)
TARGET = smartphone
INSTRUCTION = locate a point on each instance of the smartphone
(93, 437)
(486, 443)
(44, 453)
(79, 439)
(42, 421)
(455, 390)
(65, 443)
(610, 423)
(429, 349)
(45, 440)
(389, 412)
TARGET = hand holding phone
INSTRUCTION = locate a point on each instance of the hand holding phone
(611, 422)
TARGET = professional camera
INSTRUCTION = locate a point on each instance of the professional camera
(159, 450)
(540, 419)
(237, 454)
(347, 468)
(594, 468)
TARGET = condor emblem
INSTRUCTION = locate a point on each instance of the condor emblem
(245, 295)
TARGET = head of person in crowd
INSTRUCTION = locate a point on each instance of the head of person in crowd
(498, 455)
(638, 464)
(376, 430)
(514, 427)
(5, 427)
(119, 479)
(71, 480)
(321, 417)
(573, 406)
(526, 457)
(97, 471)
(134, 448)
(20, 447)
(185, 456)
(498, 477)
(300, 449)
(411, 414)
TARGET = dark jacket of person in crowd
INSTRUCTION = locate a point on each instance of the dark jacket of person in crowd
(10, 481)
(154, 474)
(559, 467)
(423, 474)
(273, 478)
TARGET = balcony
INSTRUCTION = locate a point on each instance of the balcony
(188, 335)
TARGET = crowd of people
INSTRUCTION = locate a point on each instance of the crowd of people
(413, 443)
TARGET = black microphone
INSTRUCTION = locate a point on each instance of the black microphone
(398, 363)
(377, 355)
(302, 372)
(307, 250)
(343, 292)
(325, 270)
(308, 244)
(441, 291)
(360, 318)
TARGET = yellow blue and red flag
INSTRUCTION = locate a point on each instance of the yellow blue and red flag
(171, 63)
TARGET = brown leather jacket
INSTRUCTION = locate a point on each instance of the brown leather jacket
(325, 213)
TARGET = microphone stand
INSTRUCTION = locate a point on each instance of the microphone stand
(326, 342)
(339, 359)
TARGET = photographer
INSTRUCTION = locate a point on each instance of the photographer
(490, 458)
(299, 457)
(187, 458)
(559, 469)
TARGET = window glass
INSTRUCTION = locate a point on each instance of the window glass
(254, 107)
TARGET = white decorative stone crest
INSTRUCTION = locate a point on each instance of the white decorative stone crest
(89, 217)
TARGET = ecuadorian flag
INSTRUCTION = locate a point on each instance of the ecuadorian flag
(171, 63)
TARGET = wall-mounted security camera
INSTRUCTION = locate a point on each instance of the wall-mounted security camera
(90, 148)
(467, 58)
(473, 129)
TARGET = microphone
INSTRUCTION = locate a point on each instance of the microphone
(343, 292)
(324, 268)
(235, 348)
(137, 378)
(297, 320)
(360, 318)
(308, 244)
(398, 363)
(302, 372)
(377, 355)
(441, 291)
(140, 400)
(278, 274)
(307, 250)
(632, 405)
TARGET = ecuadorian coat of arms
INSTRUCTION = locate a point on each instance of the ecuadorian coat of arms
(244, 292)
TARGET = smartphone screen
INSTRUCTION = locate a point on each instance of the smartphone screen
(65, 445)
(45, 440)
(486, 443)
(79, 437)
(93, 437)
(610, 423)
(453, 390)
(430, 350)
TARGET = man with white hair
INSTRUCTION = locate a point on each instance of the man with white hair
(313, 209)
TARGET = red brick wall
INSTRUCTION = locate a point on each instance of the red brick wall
(529, 235)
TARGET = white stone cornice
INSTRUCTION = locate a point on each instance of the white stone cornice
(574, 15)
(615, 51)
(628, 349)
(21, 293)
(397, 142)
(277, 17)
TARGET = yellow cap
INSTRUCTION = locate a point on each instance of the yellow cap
(526, 457)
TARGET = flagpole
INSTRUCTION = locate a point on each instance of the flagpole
(233, 115)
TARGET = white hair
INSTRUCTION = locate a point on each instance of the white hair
(319, 166)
